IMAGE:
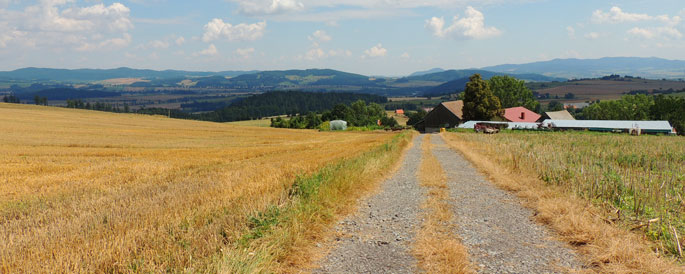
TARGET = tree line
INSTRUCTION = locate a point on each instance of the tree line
(356, 114)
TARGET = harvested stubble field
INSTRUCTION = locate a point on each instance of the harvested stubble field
(85, 191)
(638, 181)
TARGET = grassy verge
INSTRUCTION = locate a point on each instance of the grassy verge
(278, 238)
(436, 248)
(518, 164)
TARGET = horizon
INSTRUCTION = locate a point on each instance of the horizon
(325, 68)
(365, 37)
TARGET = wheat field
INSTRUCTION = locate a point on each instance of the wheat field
(85, 191)
(638, 180)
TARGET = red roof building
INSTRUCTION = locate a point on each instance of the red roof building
(520, 114)
(399, 111)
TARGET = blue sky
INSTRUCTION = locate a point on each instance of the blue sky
(372, 37)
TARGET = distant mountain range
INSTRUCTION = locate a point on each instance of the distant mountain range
(82, 75)
(433, 70)
(431, 82)
(455, 80)
(654, 68)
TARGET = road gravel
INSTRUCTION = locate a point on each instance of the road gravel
(499, 233)
(378, 238)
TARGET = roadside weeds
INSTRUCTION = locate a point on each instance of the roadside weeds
(281, 238)
(604, 248)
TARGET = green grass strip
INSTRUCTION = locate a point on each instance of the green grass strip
(314, 201)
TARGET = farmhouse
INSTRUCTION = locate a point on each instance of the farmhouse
(399, 111)
(445, 115)
(556, 115)
(520, 114)
(653, 127)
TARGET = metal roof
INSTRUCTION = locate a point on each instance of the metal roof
(511, 125)
(454, 107)
(609, 124)
(559, 115)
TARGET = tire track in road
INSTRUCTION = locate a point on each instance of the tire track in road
(378, 238)
(499, 233)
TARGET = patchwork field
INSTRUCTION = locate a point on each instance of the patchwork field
(639, 181)
(605, 89)
(85, 191)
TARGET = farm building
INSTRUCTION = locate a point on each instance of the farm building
(445, 115)
(509, 125)
(557, 115)
(520, 114)
(399, 111)
(653, 127)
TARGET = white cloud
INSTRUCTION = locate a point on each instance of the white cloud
(472, 26)
(339, 52)
(180, 41)
(616, 15)
(375, 51)
(317, 53)
(48, 25)
(405, 55)
(659, 32)
(216, 29)
(314, 54)
(159, 44)
(245, 53)
(592, 35)
(571, 32)
(372, 4)
(320, 36)
(269, 7)
(210, 51)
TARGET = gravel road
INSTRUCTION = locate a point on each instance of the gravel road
(497, 230)
(378, 238)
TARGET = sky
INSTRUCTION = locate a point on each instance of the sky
(371, 37)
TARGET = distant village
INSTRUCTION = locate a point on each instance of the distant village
(449, 115)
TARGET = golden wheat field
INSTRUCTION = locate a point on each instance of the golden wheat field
(84, 191)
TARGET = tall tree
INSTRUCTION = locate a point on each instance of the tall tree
(479, 101)
(512, 92)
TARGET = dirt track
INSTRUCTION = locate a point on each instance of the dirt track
(498, 232)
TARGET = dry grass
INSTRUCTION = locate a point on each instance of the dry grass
(400, 118)
(283, 241)
(437, 247)
(605, 246)
(86, 191)
(253, 123)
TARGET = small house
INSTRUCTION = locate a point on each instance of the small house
(444, 115)
(557, 115)
(520, 115)
(399, 111)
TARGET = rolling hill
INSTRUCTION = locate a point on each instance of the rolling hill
(288, 79)
(455, 80)
(88, 75)
(655, 68)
